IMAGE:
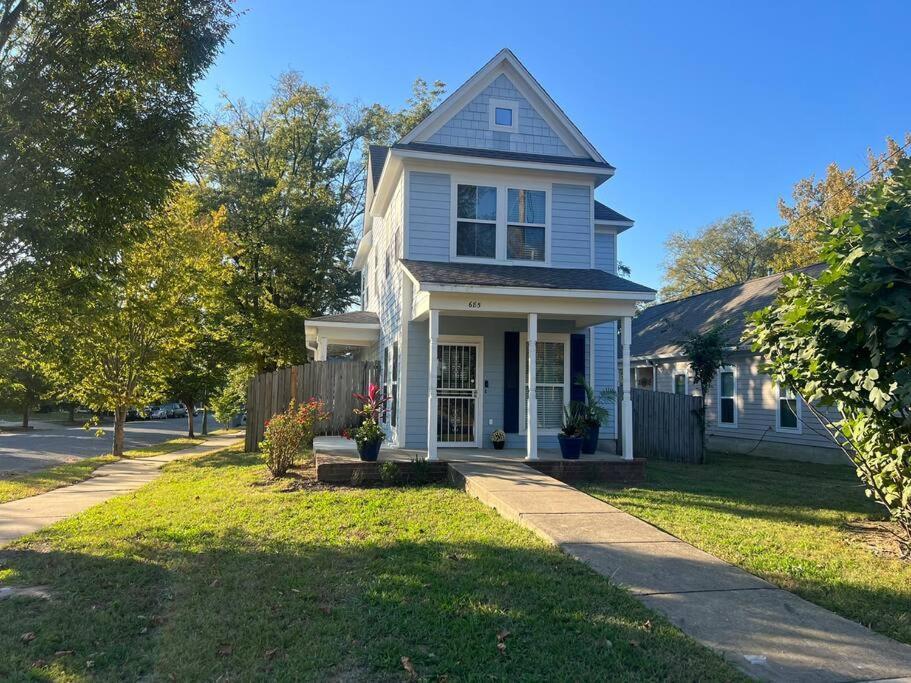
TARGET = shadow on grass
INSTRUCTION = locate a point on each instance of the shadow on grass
(233, 606)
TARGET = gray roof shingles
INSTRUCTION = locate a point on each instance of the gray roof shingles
(357, 317)
(498, 154)
(484, 275)
(378, 154)
(605, 213)
(657, 330)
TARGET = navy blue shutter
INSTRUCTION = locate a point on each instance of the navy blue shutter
(576, 366)
(511, 383)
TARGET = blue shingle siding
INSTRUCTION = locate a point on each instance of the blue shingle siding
(429, 196)
(470, 127)
(572, 226)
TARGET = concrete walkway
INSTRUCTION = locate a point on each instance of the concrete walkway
(767, 632)
(27, 515)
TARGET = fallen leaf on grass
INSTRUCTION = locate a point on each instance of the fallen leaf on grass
(63, 653)
(325, 609)
(409, 667)
(28, 637)
(647, 625)
(501, 640)
(270, 654)
(502, 648)
(224, 650)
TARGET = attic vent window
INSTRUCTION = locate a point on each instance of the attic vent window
(504, 115)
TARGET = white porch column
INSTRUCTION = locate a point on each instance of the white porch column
(322, 348)
(434, 334)
(627, 406)
(531, 427)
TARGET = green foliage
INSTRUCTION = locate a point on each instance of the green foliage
(368, 432)
(595, 406)
(97, 119)
(498, 436)
(706, 353)
(288, 432)
(574, 419)
(229, 402)
(845, 339)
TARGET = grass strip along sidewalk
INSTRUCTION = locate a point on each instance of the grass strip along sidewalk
(217, 571)
(807, 528)
(26, 484)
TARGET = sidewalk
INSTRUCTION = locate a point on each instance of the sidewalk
(24, 516)
(767, 632)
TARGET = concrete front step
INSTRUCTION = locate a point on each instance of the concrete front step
(768, 633)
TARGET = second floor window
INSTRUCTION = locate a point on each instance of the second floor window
(476, 225)
(525, 231)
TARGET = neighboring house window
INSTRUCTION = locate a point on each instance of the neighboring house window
(551, 379)
(395, 382)
(504, 115)
(525, 230)
(645, 378)
(788, 419)
(476, 227)
(680, 383)
(727, 403)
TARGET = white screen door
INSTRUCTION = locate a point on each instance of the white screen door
(457, 394)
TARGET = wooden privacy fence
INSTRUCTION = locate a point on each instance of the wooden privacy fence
(667, 426)
(333, 382)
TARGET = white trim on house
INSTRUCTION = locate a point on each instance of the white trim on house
(512, 106)
(523, 370)
(727, 425)
(798, 411)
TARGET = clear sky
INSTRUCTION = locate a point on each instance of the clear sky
(704, 108)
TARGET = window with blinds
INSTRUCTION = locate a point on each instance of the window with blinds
(550, 383)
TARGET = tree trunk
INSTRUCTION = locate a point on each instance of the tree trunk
(205, 420)
(190, 433)
(26, 411)
(72, 411)
(120, 418)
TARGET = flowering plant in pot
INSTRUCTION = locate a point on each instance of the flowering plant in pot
(498, 439)
(570, 436)
(595, 413)
(369, 435)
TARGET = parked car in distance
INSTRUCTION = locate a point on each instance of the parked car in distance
(133, 414)
(158, 413)
(175, 409)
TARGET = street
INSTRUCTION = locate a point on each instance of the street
(50, 444)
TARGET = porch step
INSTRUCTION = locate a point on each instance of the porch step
(767, 632)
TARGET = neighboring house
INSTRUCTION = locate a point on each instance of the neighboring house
(488, 270)
(746, 412)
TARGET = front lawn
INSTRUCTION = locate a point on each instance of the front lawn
(808, 528)
(25, 484)
(215, 572)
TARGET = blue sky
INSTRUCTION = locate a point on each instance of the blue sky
(704, 108)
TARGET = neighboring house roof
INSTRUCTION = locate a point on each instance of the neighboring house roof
(499, 154)
(378, 155)
(657, 330)
(605, 213)
(484, 275)
(356, 317)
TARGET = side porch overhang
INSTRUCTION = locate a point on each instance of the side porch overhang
(347, 331)
(586, 297)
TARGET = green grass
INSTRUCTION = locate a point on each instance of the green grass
(25, 484)
(215, 572)
(794, 524)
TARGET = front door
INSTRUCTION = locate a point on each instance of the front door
(457, 394)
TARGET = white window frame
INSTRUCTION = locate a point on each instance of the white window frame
(686, 383)
(503, 185)
(797, 411)
(523, 368)
(512, 105)
(727, 425)
(635, 377)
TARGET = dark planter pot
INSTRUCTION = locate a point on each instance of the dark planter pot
(369, 452)
(590, 440)
(570, 446)
(498, 445)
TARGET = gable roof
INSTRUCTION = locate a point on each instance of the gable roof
(604, 213)
(378, 154)
(657, 330)
(537, 277)
(498, 154)
(504, 59)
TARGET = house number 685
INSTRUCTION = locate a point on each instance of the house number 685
(474, 304)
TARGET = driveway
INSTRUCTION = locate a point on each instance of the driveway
(50, 444)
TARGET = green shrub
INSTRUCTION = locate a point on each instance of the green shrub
(288, 432)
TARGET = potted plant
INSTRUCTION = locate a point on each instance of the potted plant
(570, 436)
(369, 435)
(595, 409)
(498, 438)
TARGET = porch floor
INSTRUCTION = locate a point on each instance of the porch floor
(339, 449)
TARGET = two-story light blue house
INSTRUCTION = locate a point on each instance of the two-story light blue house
(489, 272)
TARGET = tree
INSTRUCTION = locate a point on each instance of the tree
(727, 252)
(816, 203)
(135, 331)
(97, 120)
(844, 340)
(706, 352)
(201, 370)
(291, 176)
